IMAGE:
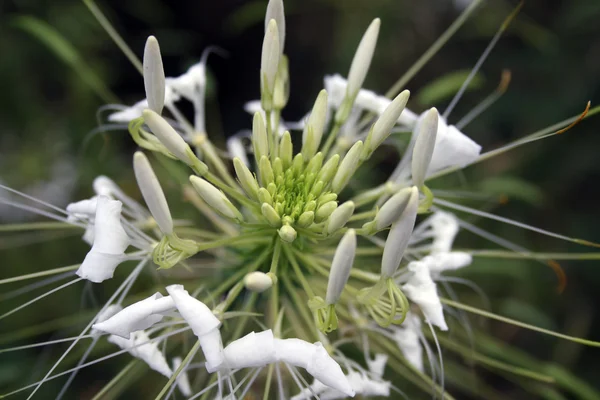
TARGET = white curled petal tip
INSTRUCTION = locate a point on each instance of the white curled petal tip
(252, 350)
(328, 371)
(83, 208)
(377, 365)
(183, 381)
(137, 317)
(110, 242)
(127, 114)
(104, 186)
(315, 388)
(440, 262)
(104, 315)
(421, 290)
(141, 346)
(189, 83)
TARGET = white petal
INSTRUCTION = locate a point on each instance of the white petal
(236, 148)
(109, 235)
(189, 83)
(203, 322)
(84, 208)
(138, 316)
(421, 290)
(406, 337)
(104, 315)
(98, 267)
(147, 352)
(377, 365)
(183, 382)
(252, 350)
(440, 262)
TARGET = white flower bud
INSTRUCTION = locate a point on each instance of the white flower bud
(264, 196)
(399, 236)
(384, 124)
(152, 192)
(257, 281)
(275, 11)
(424, 145)
(362, 59)
(306, 219)
(287, 233)
(154, 75)
(329, 169)
(313, 130)
(269, 61)
(246, 178)
(215, 198)
(340, 266)
(340, 216)
(266, 171)
(393, 208)
(324, 211)
(286, 149)
(347, 167)
(167, 135)
(260, 140)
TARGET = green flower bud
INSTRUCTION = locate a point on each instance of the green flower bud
(264, 196)
(324, 211)
(215, 198)
(265, 171)
(246, 178)
(347, 167)
(313, 130)
(329, 169)
(270, 215)
(339, 217)
(393, 208)
(287, 233)
(306, 219)
(286, 149)
(260, 140)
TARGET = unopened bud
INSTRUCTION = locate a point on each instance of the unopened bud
(270, 215)
(424, 145)
(393, 208)
(152, 192)
(287, 233)
(286, 150)
(306, 219)
(269, 63)
(266, 171)
(215, 198)
(341, 266)
(264, 196)
(167, 135)
(384, 124)
(246, 178)
(340, 216)
(347, 167)
(399, 236)
(260, 141)
(329, 169)
(154, 75)
(257, 281)
(324, 211)
(276, 12)
(313, 130)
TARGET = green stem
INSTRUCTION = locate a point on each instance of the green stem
(116, 379)
(331, 138)
(185, 362)
(298, 272)
(531, 255)
(39, 274)
(30, 226)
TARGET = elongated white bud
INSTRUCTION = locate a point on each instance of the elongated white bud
(167, 135)
(362, 59)
(215, 198)
(313, 130)
(384, 124)
(275, 11)
(154, 75)
(399, 236)
(152, 192)
(203, 322)
(347, 167)
(329, 169)
(392, 209)
(341, 266)
(324, 211)
(257, 281)
(246, 178)
(340, 217)
(286, 149)
(271, 215)
(260, 140)
(424, 145)
(269, 61)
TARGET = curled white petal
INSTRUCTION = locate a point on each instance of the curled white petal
(189, 83)
(126, 114)
(406, 337)
(138, 316)
(440, 262)
(140, 346)
(110, 242)
(377, 365)
(252, 350)
(421, 290)
(104, 315)
(183, 381)
(204, 324)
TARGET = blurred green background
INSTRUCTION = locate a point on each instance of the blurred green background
(48, 116)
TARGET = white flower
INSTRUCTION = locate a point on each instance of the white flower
(138, 316)
(141, 346)
(110, 242)
(421, 290)
(183, 382)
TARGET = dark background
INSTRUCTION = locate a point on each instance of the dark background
(47, 110)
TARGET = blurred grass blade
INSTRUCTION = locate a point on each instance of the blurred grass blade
(447, 85)
(65, 51)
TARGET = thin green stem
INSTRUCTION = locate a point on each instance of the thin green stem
(183, 364)
(490, 315)
(531, 255)
(331, 138)
(37, 226)
(298, 271)
(116, 379)
(39, 274)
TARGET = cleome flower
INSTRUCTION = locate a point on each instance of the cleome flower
(293, 267)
